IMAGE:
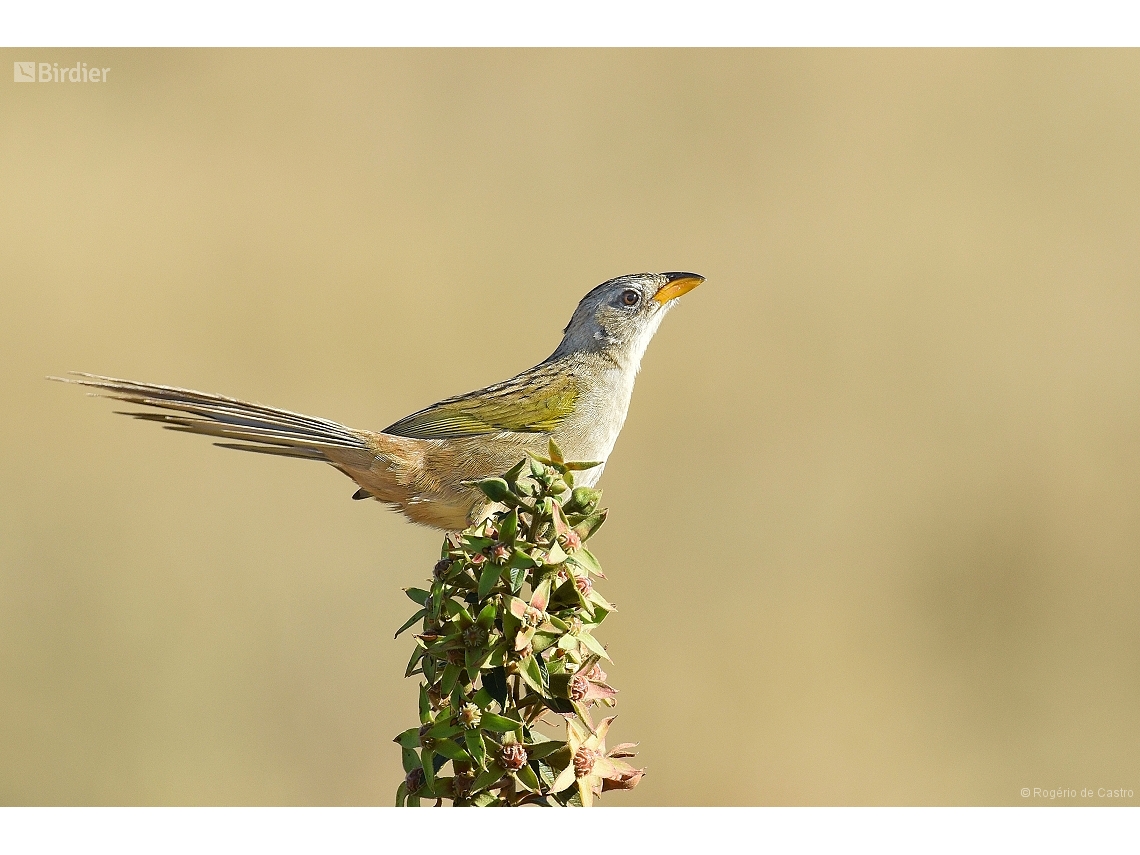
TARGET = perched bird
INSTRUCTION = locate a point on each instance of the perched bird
(578, 396)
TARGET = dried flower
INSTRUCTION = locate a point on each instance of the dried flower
(415, 780)
(512, 757)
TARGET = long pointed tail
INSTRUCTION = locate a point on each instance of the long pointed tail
(267, 430)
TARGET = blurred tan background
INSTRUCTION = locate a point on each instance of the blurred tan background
(875, 515)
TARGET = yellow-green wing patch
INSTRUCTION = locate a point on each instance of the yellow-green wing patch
(534, 402)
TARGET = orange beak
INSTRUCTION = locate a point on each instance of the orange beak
(677, 284)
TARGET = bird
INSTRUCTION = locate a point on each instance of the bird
(427, 464)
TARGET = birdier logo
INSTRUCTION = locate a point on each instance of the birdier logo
(51, 72)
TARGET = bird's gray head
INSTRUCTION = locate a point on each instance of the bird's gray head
(621, 316)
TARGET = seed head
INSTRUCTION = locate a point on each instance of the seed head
(512, 757)
(578, 687)
(500, 553)
(584, 585)
(474, 636)
(584, 761)
(441, 568)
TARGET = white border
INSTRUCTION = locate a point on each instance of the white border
(473, 832)
(599, 23)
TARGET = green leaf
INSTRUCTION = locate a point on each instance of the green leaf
(555, 556)
(455, 609)
(495, 682)
(414, 801)
(509, 527)
(476, 747)
(555, 452)
(598, 600)
(451, 750)
(482, 698)
(497, 490)
(401, 794)
(444, 728)
(417, 652)
(518, 576)
(417, 595)
(520, 560)
(592, 644)
(410, 738)
(429, 768)
(450, 677)
(544, 749)
(410, 759)
(425, 705)
(483, 799)
(562, 706)
(499, 723)
(527, 778)
(583, 465)
(488, 578)
(585, 559)
(543, 673)
(488, 778)
(513, 473)
(542, 640)
(588, 527)
(531, 674)
(417, 616)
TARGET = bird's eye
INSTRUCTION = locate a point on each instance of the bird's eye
(630, 297)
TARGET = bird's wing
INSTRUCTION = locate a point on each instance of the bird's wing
(536, 401)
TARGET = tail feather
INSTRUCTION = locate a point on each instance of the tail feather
(272, 430)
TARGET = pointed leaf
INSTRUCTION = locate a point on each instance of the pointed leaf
(592, 644)
(499, 723)
(527, 778)
(426, 757)
(588, 527)
(586, 792)
(541, 595)
(444, 728)
(401, 794)
(488, 778)
(486, 617)
(425, 705)
(450, 749)
(410, 759)
(555, 452)
(585, 559)
(495, 682)
(532, 676)
(450, 677)
(488, 578)
(565, 779)
(513, 473)
(581, 466)
(410, 738)
(509, 527)
(417, 616)
(417, 595)
(475, 746)
(544, 749)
